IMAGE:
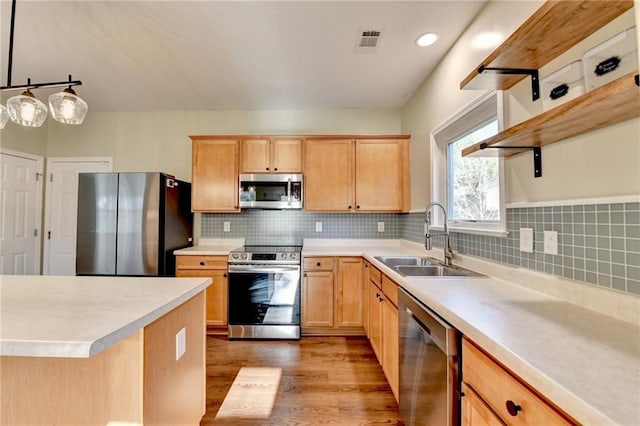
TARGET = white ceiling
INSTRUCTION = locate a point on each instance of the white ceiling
(183, 55)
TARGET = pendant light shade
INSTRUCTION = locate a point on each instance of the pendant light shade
(4, 116)
(66, 107)
(27, 110)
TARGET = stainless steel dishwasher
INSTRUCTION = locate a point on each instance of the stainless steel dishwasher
(429, 367)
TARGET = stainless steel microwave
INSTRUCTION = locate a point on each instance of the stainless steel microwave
(271, 191)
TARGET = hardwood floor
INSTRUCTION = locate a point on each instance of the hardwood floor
(323, 380)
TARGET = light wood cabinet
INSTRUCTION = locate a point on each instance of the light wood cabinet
(332, 295)
(512, 401)
(328, 175)
(271, 155)
(351, 175)
(317, 299)
(214, 175)
(375, 320)
(380, 175)
(383, 326)
(349, 292)
(475, 412)
(366, 268)
(214, 267)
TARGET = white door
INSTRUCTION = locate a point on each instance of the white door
(20, 212)
(61, 213)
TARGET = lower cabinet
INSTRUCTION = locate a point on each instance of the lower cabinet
(383, 325)
(332, 295)
(214, 267)
(494, 396)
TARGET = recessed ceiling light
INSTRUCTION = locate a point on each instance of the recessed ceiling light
(426, 39)
(486, 40)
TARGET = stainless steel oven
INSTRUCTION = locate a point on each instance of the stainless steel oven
(264, 293)
(429, 365)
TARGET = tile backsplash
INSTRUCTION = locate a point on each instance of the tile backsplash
(291, 226)
(597, 243)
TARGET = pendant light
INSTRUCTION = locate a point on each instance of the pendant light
(67, 107)
(27, 110)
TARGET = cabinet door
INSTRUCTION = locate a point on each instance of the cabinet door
(365, 296)
(349, 289)
(286, 155)
(375, 320)
(379, 172)
(255, 156)
(214, 175)
(390, 357)
(317, 299)
(216, 303)
(475, 412)
(328, 174)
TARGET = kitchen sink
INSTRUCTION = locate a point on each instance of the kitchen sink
(435, 271)
(392, 262)
(415, 266)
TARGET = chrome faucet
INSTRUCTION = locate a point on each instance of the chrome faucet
(448, 253)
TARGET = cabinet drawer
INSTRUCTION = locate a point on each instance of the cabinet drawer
(318, 263)
(375, 275)
(390, 289)
(500, 389)
(201, 262)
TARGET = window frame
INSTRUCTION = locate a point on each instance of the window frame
(488, 105)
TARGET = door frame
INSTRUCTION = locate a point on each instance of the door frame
(48, 202)
(37, 259)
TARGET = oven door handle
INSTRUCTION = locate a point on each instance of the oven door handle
(252, 269)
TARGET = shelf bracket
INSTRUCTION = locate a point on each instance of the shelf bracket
(537, 156)
(535, 80)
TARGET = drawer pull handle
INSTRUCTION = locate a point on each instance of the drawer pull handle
(201, 263)
(224, 275)
(318, 264)
(513, 408)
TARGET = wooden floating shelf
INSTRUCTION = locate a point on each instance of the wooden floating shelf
(551, 30)
(609, 104)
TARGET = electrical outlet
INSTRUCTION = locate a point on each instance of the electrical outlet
(318, 226)
(181, 343)
(526, 240)
(550, 242)
(227, 227)
(380, 226)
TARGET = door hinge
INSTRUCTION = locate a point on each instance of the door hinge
(48, 235)
(35, 232)
(38, 176)
(51, 177)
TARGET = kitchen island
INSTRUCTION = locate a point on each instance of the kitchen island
(102, 350)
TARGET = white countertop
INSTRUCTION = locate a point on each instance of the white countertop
(585, 362)
(212, 247)
(78, 317)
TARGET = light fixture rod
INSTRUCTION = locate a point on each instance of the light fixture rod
(40, 85)
(13, 24)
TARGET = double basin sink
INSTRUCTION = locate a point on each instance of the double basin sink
(413, 266)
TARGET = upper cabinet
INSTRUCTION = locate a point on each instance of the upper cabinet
(214, 174)
(271, 155)
(351, 175)
(551, 30)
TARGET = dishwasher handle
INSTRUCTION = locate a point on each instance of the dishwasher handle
(417, 320)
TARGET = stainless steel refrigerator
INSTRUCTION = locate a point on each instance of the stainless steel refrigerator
(130, 223)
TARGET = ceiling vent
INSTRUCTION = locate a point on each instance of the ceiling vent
(368, 41)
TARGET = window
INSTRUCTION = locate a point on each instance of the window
(472, 188)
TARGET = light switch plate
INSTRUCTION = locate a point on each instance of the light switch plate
(551, 242)
(380, 226)
(227, 227)
(181, 343)
(526, 240)
(318, 226)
